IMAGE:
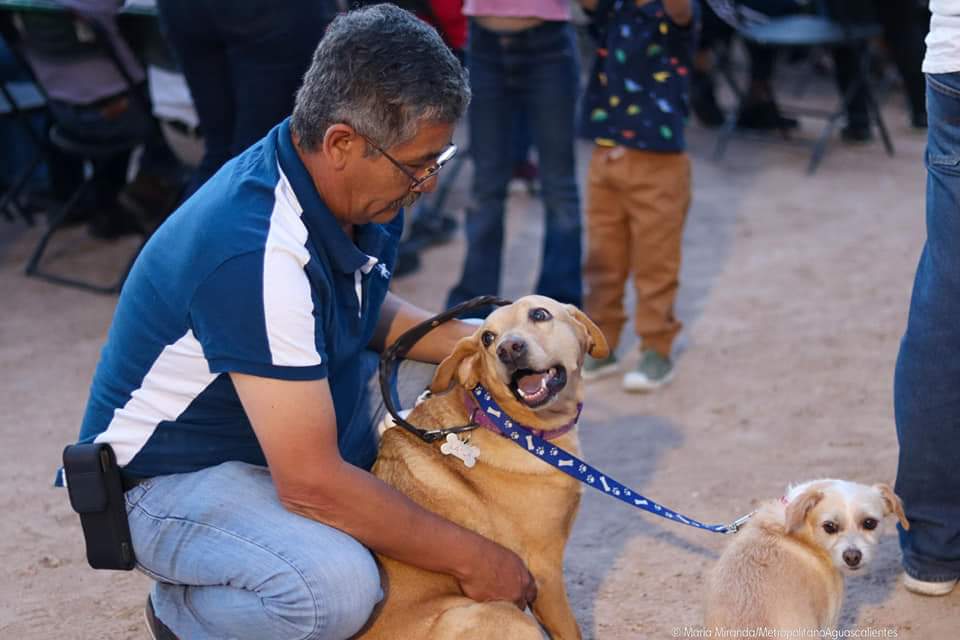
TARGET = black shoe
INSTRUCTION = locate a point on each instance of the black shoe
(703, 100)
(765, 116)
(918, 120)
(156, 629)
(856, 133)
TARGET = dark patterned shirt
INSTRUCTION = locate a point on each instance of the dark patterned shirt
(637, 92)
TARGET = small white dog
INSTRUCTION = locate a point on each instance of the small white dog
(784, 569)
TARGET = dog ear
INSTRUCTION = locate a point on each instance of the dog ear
(894, 503)
(799, 508)
(460, 365)
(596, 342)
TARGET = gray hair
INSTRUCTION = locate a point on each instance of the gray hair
(383, 71)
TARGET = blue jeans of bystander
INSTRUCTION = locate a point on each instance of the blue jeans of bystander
(538, 69)
(927, 381)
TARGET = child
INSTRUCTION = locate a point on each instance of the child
(638, 188)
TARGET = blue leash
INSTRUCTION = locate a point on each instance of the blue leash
(580, 470)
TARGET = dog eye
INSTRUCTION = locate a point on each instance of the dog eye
(830, 527)
(540, 314)
(488, 337)
(869, 524)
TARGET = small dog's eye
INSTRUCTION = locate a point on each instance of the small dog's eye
(830, 527)
(869, 524)
(540, 314)
(488, 337)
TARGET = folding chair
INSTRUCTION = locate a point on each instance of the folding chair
(804, 31)
(63, 36)
(19, 100)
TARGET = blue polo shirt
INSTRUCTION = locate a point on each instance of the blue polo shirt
(254, 275)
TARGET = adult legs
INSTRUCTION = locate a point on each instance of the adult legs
(927, 379)
(490, 117)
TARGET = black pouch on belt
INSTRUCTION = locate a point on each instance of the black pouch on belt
(96, 493)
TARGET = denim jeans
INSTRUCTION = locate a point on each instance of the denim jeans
(243, 61)
(927, 380)
(231, 562)
(536, 69)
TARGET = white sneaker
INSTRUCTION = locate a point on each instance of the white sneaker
(927, 588)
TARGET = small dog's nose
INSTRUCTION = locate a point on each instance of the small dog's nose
(852, 557)
(511, 351)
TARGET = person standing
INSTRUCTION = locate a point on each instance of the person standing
(926, 390)
(522, 52)
(243, 61)
(634, 110)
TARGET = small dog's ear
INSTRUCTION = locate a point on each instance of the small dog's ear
(893, 503)
(596, 342)
(462, 364)
(799, 508)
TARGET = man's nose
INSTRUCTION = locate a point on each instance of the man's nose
(511, 351)
(852, 557)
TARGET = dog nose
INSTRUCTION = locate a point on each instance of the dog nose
(511, 351)
(852, 557)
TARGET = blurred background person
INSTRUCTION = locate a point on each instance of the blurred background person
(522, 52)
(243, 61)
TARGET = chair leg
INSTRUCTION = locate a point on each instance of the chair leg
(878, 120)
(54, 225)
(9, 202)
(823, 141)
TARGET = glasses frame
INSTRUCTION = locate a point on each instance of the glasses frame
(445, 156)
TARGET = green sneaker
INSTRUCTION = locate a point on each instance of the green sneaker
(594, 368)
(652, 372)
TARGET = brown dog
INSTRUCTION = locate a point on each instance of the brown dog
(785, 569)
(529, 357)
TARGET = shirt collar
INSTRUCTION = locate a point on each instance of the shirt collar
(344, 254)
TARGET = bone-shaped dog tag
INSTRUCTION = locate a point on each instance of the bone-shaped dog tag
(457, 448)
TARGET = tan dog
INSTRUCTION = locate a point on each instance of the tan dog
(784, 569)
(529, 356)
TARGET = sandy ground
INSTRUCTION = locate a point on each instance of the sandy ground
(794, 294)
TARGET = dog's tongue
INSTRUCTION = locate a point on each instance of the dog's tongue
(530, 384)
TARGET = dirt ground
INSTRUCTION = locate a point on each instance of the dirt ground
(794, 295)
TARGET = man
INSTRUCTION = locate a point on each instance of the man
(235, 381)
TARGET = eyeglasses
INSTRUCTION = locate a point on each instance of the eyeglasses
(445, 156)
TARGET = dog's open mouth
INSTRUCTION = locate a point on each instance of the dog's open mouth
(536, 388)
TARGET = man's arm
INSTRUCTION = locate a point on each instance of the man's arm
(295, 424)
(397, 315)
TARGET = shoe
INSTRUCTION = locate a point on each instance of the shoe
(765, 116)
(596, 368)
(150, 199)
(112, 223)
(652, 372)
(928, 588)
(156, 629)
(856, 133)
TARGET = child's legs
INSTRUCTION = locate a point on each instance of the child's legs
(608, 246)
(656, 200)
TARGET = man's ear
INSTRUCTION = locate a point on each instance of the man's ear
(893, 503)
(462, 365)
(340, 142)
(596, 342)
(799, 508)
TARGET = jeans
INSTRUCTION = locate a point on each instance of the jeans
(243, 61)
(231, 562)
(927, 379)
(538, 70)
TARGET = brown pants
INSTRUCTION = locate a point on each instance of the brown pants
(637, 203)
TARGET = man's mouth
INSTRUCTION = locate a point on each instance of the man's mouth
(537, 388)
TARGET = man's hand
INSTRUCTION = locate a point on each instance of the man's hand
(497, 573)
